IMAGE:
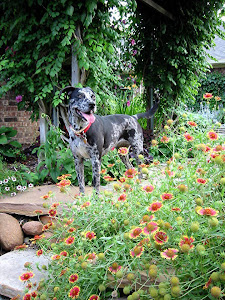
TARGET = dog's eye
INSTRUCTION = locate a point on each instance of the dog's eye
(93, 97)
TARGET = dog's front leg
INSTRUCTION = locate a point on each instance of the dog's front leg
(96, 168)
(79, 166)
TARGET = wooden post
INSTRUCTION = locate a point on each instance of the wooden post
(75, 70)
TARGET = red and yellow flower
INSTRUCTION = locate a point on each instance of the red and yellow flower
(91, 257)
(70, 240)
(90, 235)
(123, 151)
(94, 297)
(115, 268)
(39, 252)
(21, 247)
(155, 206)
(74, 292)
(137, 251)
(64, 176)
(160, 237)
(148, 188)
(85, 204)
(150, 228)
(166, 196)
(64, 253)
(170, 253)
(176, 209)
(73, 278)
(122, 197)
(208, 211)
(192, 123)
(55, 257)
(64, 183)
(212, 135)
(130, 173)
(52, 212)
(26, 276)
(201, 181)
(136, 232)
(207, 96)
(187, 240)
(165, 139)
(27, 297)
(188, 137)
(109, 178)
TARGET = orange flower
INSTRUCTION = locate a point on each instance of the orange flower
(64, 253)
(109, 178)
(55, 257)
(217, 98)
(64, 183)
(24, 246)
(45, 197)
(64, 176)
(91, 257)
(85, 204)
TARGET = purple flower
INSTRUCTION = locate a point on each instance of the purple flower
(19, 98)
(130, 65)
(134, 52)
(133, 42)
(128, 103)
(124, 21)
(7, 48)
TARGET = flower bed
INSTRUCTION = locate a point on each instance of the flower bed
(162, 238)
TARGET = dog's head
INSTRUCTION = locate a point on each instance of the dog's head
(82, 105)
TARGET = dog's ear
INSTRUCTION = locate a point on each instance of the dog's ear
(68, 89)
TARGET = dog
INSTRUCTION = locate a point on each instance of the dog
(92, 136)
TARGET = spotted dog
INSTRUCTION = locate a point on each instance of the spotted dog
(92, 136)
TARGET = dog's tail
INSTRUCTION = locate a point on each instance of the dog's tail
(148, 114)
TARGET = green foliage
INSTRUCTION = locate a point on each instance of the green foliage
(212, 82)
(37, 41)
(123, 236)
(171, 54)
(9, 147)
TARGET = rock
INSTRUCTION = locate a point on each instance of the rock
(12, 266)
(47, 235)
(11, 234)
(46, 219)
(32, 228)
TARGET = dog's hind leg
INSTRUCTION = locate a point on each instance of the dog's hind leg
(96, 168)
(79, 166)
(136, 152)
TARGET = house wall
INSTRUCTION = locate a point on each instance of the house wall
(10, 116)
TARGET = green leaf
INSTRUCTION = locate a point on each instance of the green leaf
(70, 10)
(15, 144)
(3, 140)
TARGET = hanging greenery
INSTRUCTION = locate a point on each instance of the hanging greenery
(36, 43)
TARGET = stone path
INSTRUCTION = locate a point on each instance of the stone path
(25, 203)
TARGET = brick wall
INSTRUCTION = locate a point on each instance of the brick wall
(10, 116)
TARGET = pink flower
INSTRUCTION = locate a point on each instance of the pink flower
(19, 98)
(133, 42)
(128, 103)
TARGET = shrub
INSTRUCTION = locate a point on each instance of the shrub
(9, 148)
